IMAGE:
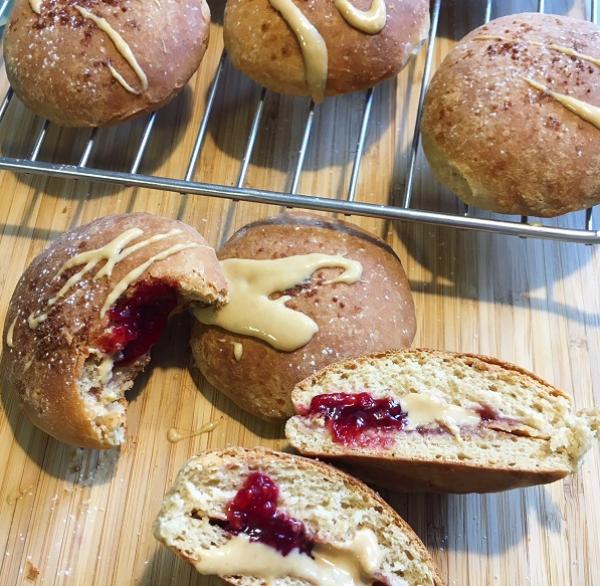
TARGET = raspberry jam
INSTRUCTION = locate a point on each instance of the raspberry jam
(350, 417)
(253, 511)
(137, 320)
(487, 413)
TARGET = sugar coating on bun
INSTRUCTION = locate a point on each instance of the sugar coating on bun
(376, 313)
(86, 312)
(263, 44)
(504, 124)
(92, 63)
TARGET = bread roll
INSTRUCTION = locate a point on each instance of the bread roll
(335, 57)
(512, 118)
(86, 311)
(215, 517)
(438, 421)
(374, 314)
(96, 63)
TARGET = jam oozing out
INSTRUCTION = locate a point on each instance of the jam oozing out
(487, 413)
(253, 511)
(349, 417)
(137, 320)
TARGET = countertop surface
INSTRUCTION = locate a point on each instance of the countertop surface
(74, 516)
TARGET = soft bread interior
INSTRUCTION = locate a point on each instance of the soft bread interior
(102, 388)
(542, 433)
(332, 506)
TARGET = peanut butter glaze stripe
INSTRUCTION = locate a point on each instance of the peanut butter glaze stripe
(252, 312)
(121, 46)
(585, 111)
(369, 21)
(312, 45)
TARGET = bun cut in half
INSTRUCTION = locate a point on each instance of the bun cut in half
(324, 47)
(511, 122)
(254, 516)
(438, 421)
(86, 312)
(93, 63)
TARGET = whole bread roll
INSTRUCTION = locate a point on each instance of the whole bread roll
(440, 421)
(374, 314)
(90, 63)
(321, 526)
(86, 312)
(263, 45)
(505, 124)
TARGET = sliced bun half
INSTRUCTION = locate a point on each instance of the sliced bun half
(334, 516)
(456, 422)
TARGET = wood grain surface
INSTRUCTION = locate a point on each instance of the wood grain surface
(80, 517)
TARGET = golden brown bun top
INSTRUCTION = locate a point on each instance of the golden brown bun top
(261, 44)
(45, 364)
(375, 314)
(501, 144)
(57, 61)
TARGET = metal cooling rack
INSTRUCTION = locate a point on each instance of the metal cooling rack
(404, 212)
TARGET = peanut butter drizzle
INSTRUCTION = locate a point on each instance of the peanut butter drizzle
(175, 435)
(36, 6)
(112, 253)
(238, 351)
(312, 45)
(251, 311)
(369, 21)
(423, 410)
(10, 333)
(585, 111)
(122, 47)
(353, 563)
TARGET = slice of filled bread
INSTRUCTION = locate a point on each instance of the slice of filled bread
(471, 423)
(332, 506)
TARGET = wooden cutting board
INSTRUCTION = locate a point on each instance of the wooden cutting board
(72, 516)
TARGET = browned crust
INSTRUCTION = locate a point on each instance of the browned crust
(57, 61)
(261, 44)
(255, 455)
(375, 314)
(500, 144)
(406, 474)
(46, 363)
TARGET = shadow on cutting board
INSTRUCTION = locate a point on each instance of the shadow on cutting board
(498, 269)
(489, 524)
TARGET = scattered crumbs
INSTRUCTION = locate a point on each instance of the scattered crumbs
(16, 495)
(31, 572)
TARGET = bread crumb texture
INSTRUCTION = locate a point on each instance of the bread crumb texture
(536, 429)
(332, 506)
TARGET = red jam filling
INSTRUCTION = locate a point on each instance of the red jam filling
(136, 321)
(350, 417)
(253, 511)
(487, 413)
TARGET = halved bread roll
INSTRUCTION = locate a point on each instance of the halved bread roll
(255, 516)
(439, 421)
(86, 312)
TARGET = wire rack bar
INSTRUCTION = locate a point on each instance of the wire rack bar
(139, 155)
(299, 201)
(37, 145)
(308, 125)
(360, 145)
(252, 138)
(210, 100)
(410, 176)
(349, 206)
